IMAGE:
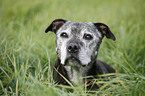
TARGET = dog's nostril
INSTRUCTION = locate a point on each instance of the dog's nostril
(70, 47)
(75, 47)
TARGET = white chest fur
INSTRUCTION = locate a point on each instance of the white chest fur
(76, 74)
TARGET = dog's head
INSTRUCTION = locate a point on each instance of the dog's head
(77, 43)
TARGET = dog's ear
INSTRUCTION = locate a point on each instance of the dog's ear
(55, 25)
(104, 29)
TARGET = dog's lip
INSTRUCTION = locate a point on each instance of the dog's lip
(73, 57)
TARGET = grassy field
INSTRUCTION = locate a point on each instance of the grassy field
(27, 52)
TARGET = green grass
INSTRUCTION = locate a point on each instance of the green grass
(27, 52)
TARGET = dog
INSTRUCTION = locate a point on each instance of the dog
(77, 46)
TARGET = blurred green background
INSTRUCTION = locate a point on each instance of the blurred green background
(27, 52)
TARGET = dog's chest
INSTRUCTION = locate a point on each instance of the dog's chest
(76, 74)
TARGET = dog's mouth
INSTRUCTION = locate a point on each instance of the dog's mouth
(73, 58)
(72, 61)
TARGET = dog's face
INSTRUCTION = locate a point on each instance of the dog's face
(77, 43)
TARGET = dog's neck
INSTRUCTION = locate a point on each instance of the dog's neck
(76, 73)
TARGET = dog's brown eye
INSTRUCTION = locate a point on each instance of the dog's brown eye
(88, 37)
(64, 35)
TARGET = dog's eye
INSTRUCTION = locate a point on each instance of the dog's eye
(64, 35)
(88, 37)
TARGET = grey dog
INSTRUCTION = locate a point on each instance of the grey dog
(77, 46)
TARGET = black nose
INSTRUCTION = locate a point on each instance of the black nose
(73, 48)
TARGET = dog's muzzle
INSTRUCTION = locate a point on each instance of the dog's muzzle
(73, 51)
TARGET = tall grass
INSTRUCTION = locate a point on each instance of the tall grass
(27, 53)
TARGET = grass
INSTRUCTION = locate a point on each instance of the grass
(26, 52)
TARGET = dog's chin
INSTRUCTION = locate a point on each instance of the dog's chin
(72, 61)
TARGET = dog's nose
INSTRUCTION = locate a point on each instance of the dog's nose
(73, 48)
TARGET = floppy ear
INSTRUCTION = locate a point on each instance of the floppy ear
(55, 25)
(104, 29)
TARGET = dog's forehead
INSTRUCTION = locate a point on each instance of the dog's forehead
(77, 27)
